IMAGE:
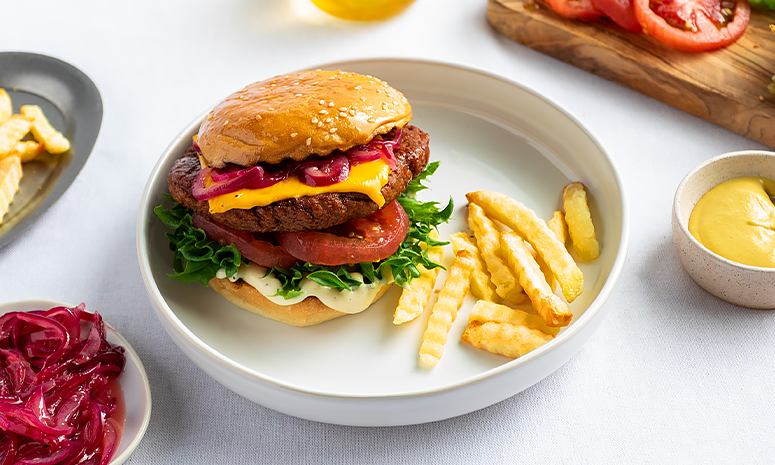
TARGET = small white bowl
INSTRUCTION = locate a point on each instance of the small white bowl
(134, 380)
(744, 285)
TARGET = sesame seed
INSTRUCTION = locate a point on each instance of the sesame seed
(357, 87)
(258, 117)
(322, 102)
(327, 137)
(332, 130)
(294, 134)
(226, 122)
(323, 112)
(309, 140)
(352, 111)
(328, 120)
(314, 119)
(298, 95)
(320, 124)
(371, 120)
(342, 108)
(331, 104)
(343, 114)
(271, 108)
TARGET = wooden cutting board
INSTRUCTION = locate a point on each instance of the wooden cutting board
(727, 87)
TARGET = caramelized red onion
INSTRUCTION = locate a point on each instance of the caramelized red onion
(56, 402)
(315, 173)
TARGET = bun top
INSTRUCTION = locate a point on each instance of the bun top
(296, 115)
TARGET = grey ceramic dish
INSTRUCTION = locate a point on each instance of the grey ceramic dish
(73, 105)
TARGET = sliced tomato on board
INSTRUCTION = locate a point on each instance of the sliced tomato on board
(367, 239)
(694, 25)
(575, 9)
(250, 245)
(622, 12)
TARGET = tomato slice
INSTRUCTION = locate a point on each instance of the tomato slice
(250, 245)
(575, 9)
(694, 25)
(367, 239)
(622, 12)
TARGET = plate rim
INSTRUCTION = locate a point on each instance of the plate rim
(596, 306)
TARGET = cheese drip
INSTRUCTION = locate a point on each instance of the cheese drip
(366, 178)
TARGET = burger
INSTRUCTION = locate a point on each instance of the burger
(296, 199)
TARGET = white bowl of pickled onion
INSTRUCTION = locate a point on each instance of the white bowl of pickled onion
(135, 407)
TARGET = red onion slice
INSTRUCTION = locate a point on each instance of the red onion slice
(325, 172)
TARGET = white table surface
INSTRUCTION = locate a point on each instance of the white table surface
(673, 375)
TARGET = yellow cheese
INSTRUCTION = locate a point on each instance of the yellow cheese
(366, 178)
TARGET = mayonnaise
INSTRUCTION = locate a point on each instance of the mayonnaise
(344, 301)
(736, 220)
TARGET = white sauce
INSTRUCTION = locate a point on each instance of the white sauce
(344, 301)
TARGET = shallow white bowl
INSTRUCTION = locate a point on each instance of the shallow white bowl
(134, 380)
(489, 133)
(748, 286)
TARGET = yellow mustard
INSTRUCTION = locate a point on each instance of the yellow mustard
(736, 220)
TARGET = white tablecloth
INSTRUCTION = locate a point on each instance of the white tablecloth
(673, 375)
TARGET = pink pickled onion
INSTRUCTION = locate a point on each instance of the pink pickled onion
(55, 400)
(323, 172)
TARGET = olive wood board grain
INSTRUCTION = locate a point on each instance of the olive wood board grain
(727, 87)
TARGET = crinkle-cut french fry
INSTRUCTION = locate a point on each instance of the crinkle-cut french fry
(481, 284)
(29, 149)
(524, 220)
(504, 338)
(43, 132)
(445, 309)
(558, 226)
(6, 109)
(496, 313)
(552, 309)
(488, 241)
(12, 131)
(580, 227)
(10, 176)
(415, 296)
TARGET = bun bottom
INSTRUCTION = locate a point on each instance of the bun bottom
(308, 312)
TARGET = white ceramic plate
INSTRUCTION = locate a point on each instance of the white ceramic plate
(489, 133)
(134, 381)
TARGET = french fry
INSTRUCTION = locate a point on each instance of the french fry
(12, 131)
(552, 309)
(29, 149)
(481, 284)
(524, 220)
(558, 226)
(504, 339)
(43, 132)
(484, 312)
(488, 241)
(6, 109)
(415, 296)
(10, 176)
(445, 309)
(580, 227)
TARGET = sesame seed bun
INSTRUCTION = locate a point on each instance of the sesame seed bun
(296, 115)
(308, 312)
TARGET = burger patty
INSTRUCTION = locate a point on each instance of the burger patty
(305, 213)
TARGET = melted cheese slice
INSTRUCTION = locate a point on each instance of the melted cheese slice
(366, 178)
